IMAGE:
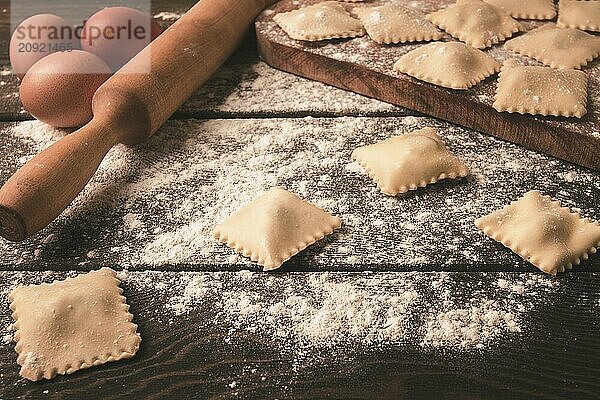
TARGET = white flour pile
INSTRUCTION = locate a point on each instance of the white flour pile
(286, 94)
(167, 16)
(332, 310)
(303, 312)
(299, 310)
(166, 196)
(500, 310)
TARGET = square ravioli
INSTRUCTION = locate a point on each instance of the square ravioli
(327, 20)
(529, 9)
(541, 90)
(391, 23)
(583, 15)
(409, 161)
(449, 64)
(557, 47)
(547, 235)
(72, 324)
(476, 23)
(274, 227)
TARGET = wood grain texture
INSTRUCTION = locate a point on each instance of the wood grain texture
(194, 356)
(365, 67)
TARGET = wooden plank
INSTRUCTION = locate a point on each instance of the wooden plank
(10, 106)
(242, 88)
(203, 352)
(154, 206)
(365, 67)
(255, 90)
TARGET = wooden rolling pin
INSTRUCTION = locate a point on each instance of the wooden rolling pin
(128, 108)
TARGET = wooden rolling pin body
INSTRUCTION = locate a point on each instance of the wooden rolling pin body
(128, 108)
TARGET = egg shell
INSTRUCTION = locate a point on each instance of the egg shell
(28, 46)
(58, 89)
(117, 51)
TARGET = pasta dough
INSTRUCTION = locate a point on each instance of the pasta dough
(73, 324)
(526, 9)
(579, 14)
(327, 20)
(541, 90)
(538, 229)
(476, 23)
(274, 227)
(409, 161)
(395, 24)
(450, 64)
(557, 47)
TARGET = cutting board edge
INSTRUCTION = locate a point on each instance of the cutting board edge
(536, 135)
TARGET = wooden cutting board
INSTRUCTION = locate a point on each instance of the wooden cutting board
(365, 67)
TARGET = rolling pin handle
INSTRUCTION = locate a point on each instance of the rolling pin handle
(12, 225)
(40, 190)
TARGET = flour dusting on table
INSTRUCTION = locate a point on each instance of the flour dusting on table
(288, 94)
(168, 16)
(308, 310)
(157, 204)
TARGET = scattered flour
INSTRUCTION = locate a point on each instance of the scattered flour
(337, 310)
(164, 197)
(132, 221)
(300, 310)
(303, 313)
(168, 16)
(8, 335)
(286, 93)
(37, 134)
(468, 327)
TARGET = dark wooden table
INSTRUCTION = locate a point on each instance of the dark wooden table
(425, 242)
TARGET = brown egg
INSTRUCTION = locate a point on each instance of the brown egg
(58, 89)
(117, 34)
(38, 36)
